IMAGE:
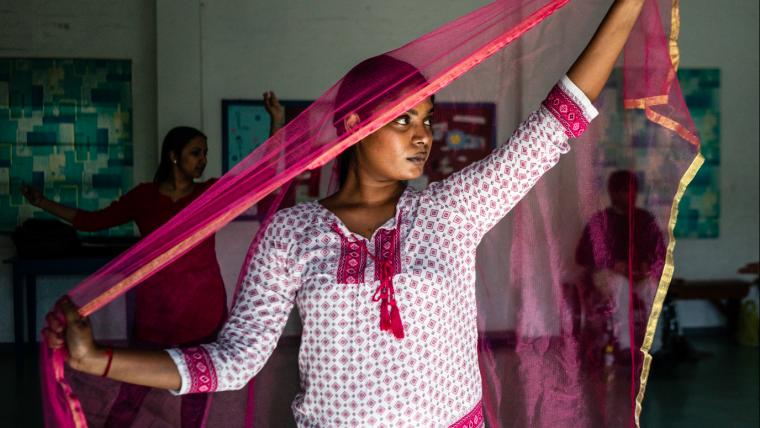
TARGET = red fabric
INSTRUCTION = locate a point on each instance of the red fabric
(126, 408)
(185, 301)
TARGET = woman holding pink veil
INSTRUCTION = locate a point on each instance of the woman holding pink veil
(400, 290)
(383, 275)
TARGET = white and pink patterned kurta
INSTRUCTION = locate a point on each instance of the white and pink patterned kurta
(353, 373)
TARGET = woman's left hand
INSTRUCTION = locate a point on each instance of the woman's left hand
(34, 196)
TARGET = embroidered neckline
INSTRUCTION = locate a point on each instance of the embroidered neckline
(387, 258)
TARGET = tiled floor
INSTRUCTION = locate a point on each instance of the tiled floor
(720, 390)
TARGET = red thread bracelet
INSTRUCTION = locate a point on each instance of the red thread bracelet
(109, 352)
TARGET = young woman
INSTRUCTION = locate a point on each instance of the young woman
(383, 275)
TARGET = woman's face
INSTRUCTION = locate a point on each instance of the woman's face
(192, 160)
(398, 151)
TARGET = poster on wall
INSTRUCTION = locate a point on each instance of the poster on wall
(245, 127)
(65, 128)
(462, 133)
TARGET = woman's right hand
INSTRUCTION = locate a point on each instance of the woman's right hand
(34, 196)
(276, 112)
(274, 108)
(66, 328)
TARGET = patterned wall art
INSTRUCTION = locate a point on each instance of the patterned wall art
(65, 128)
(699, 211)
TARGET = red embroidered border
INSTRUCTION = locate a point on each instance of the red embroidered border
(387, 248)
(353, 261)
(201, 368)
(569, 114)
(474, 419)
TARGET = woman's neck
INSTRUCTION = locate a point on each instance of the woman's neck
(364, 205)
(368, 193)
(177, 186)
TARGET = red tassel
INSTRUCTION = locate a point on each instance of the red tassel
(396, 325)
(385, 318)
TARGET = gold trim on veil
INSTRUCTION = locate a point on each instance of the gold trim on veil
(682, 131)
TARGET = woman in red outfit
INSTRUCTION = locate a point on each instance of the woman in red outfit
(185, 303)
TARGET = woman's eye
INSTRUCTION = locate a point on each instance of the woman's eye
(402, 120)
(428, 122)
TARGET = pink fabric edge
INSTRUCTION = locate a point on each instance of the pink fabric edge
(61, 408)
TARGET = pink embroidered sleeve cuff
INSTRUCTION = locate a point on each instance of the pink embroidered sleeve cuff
(571, 107)
(196, 370)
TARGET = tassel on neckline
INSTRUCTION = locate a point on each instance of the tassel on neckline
(397, 327)
(390, 315)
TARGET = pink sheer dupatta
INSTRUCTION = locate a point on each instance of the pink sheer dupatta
(537, 309)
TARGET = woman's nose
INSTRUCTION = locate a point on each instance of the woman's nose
(423, 136)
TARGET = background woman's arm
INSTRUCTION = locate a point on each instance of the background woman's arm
(118, 212)
(36, 198)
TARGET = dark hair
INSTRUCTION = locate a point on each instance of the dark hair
(622, 180)
(174, 141)
(365, 88)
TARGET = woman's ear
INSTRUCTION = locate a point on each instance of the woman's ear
(172, 157)
(351, 121)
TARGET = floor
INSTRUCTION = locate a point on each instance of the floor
(718, 390)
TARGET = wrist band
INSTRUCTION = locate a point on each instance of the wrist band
(109, 352)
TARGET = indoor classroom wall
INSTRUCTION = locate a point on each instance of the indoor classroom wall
(189, 55)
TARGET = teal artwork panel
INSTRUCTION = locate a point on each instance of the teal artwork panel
(247, 128)
(699, 210)
(66, 128)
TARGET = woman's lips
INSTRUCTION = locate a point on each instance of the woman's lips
(419, 159)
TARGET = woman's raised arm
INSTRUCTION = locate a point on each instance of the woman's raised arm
(593, 67)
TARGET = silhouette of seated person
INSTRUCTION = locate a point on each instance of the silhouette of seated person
(616, 269)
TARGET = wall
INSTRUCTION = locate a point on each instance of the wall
(187, 56)
(240, 49)
(724, 35)
(84, 29)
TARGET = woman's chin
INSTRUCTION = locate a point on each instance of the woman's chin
(412, 174)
